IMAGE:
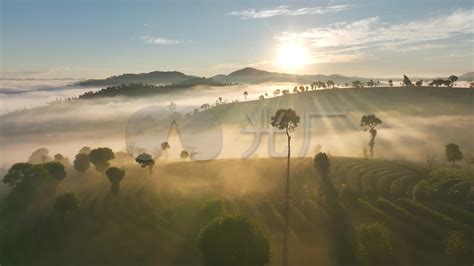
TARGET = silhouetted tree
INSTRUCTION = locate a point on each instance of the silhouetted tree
(82, 162)
(276, 92)
(115, 175)
(453, 153)
(453, 79)
(339, 225)
(165, 146)
(145, 160)
(288, 120)
(419, 83)
(184, 155)
(370, 122)
(390, 83)
(406, 81)
(246, 94)
(261, 97)
(56, 170)
(67, 203)
(25, 174)
(295, 90)
(233, 241)
(100, 158)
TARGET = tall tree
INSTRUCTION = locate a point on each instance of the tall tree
(82, 162)
(390, 83)
(56, 170)
(288, 120)
(453, 153)
(370, 122)
(115, 175)
(145, 160)
(165, 146)
(340, 228)
(100, 158)
(246, 94)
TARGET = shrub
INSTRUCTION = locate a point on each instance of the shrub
(233, 241)
(374, 244)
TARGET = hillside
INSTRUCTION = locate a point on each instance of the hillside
(467, 77)
(155, 219)
(250, 75)
(154, 78)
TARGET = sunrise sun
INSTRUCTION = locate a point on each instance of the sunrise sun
(292, 56)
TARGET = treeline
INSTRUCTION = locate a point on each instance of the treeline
(140, 89)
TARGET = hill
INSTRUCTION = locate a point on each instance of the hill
(254, 76)
(467, 77)
(155, 77)
(141, 90)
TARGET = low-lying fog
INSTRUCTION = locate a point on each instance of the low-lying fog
(65, 128)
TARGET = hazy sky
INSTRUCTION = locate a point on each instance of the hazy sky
(93, 39)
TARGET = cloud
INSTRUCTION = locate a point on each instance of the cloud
(162, 41)
(367, 35)
(287, 11)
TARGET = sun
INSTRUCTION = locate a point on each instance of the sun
(292, 56)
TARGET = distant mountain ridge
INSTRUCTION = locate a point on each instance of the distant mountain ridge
(255, 76)
(247, 75)
(152, 78)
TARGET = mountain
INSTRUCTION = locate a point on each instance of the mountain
(467, 77)
(255, 76)
(153, 78)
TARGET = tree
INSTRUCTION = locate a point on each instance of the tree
(56, 170)
(340, 227)
(205, 106)
(357, 84)
(330, 83)
(115, 175)
(145, 160)
(165, 146)
(184, 155)
(85, 150)
(246, 94)
(453, 79)
(374, 244)
(276, 92)
(100, 158)
(25, 174)
(40, 155)
(233, 241)
(58, 157)
(390, 83)
(67, 203)
(370, 122)
(288, 120)
(453, 153)
(82, 162)
(261, 97)
(406, 81)
(419, 83)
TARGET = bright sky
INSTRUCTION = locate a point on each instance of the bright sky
(95, 39)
